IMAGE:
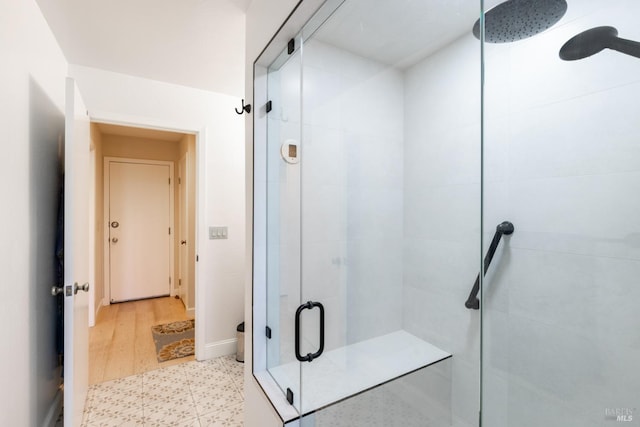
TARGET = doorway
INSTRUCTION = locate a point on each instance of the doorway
(139, 221)
(138, 184)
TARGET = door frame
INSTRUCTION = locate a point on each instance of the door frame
(201, 275)
(77, 255)
(182, 228)
(107, 202)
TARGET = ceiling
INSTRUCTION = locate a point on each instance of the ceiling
(400, 32)
(201, 43)
(196, 43)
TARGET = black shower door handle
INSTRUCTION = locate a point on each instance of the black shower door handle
(310, 356)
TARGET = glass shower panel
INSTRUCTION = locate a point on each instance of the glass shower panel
(561, 325)
(390, 225)
(283, 217)
(351, 203)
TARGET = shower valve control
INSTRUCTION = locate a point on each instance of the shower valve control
(290, 152)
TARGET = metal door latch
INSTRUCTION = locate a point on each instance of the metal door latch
(76, 288)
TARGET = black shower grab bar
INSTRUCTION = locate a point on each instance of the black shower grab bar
(503, 228)
(310, 356)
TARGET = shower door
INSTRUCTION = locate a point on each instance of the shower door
(389, 247)
(351, 227)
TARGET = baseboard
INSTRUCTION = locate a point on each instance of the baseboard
(219, 348)
(191, 312)
(54, 411)
(95, 316)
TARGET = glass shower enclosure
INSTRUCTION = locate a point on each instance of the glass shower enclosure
(446, 213)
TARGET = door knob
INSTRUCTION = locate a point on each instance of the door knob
(114, 240)
(115, 224)
(183, 242)
(57, 290)
(84, 287)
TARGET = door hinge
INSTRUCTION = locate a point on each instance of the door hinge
(169, 181)
(289, 396)
(169, 230)
(169, 279)
(179, 282)
(267, 331)
(291, 46)
(269, 106)
(179, 181)
(197, 258)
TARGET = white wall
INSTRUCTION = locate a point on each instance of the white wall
(32, 123)
(138, 101)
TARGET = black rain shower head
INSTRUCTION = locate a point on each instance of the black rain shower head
(592, 41)
(515, 20)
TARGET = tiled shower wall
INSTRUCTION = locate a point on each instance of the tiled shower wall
(390, 222)
(352, 199)
(442, 212)
(563, 327)
(562, 162)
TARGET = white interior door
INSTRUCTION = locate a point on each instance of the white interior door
(76, 256)
(183, 232)
(139, 230)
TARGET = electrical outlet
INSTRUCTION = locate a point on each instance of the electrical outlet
(218, 233)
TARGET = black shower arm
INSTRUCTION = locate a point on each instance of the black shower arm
(629, 47)
(503, 228)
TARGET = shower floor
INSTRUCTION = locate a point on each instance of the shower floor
(347, 371)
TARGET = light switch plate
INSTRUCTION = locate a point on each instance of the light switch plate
(218, 233)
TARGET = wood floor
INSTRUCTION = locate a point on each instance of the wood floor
(121, 344)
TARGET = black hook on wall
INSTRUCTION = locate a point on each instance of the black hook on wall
(246, 108)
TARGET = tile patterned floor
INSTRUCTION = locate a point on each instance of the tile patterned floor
(193, 394)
